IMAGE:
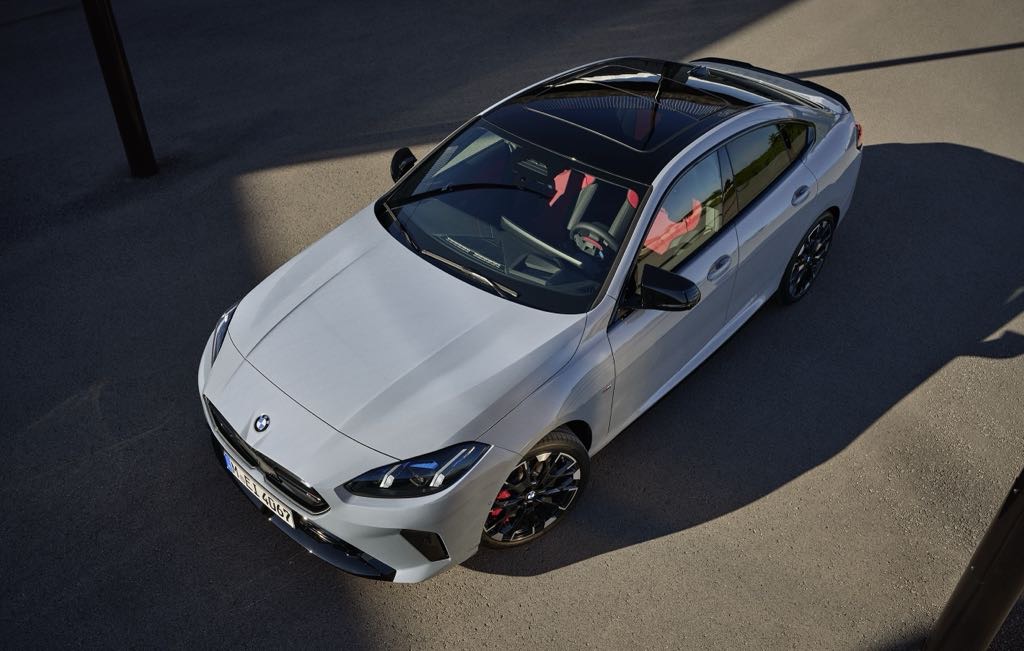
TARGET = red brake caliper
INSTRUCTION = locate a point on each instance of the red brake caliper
(503, 494)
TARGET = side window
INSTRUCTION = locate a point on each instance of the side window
(758, 158)
(690, 214)
(797, 135)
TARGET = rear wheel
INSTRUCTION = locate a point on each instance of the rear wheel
(807, 260)
(539, 491)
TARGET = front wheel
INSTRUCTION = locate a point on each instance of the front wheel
(807, 260)
(539, 491)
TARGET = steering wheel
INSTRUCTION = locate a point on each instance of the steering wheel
(593, 239)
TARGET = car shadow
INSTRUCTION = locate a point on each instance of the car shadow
(926, 268)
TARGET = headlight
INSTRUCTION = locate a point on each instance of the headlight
(221, 331)
(430, 473)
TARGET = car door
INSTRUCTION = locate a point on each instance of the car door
(689, 235)
(773, 189)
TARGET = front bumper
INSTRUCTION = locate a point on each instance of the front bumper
(322, 543)
(359, 535)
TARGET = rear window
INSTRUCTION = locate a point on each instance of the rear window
(767, 93)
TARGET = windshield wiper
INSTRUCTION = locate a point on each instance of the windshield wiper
(500, 290)
(403, 230)
(458, 187)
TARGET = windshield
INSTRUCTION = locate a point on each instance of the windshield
(539, 228)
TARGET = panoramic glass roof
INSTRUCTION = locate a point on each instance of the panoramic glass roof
(638, 109)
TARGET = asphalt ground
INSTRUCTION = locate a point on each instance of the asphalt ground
(820, 482)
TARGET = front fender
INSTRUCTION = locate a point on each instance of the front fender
(581, 391)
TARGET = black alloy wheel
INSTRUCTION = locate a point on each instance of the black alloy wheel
(807, 260)
(539, 491)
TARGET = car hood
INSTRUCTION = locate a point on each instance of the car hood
(391, 351)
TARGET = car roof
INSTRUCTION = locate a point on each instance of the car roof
(627, 116)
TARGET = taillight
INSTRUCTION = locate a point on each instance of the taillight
(860, 135)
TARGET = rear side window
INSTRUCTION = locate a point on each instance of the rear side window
(758, 158)
(797, 135)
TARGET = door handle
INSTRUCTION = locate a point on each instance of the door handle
(720, 267)
(801, 194)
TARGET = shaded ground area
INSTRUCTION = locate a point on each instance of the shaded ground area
(819, 397)
(819, 482)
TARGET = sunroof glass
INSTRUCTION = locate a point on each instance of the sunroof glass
(622, 114)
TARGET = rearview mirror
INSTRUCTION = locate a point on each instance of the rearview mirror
(664, 290)
(401, 162)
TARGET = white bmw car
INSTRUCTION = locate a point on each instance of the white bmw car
(436, 372)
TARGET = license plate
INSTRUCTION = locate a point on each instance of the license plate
(275, 505)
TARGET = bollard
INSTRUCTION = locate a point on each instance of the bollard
(120, 87)
(991, 584)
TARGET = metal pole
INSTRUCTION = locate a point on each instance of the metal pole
(120, 87)
(991, 584)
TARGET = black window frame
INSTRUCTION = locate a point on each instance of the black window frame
(730, 204)
(811, 139)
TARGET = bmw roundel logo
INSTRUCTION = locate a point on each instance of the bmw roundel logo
(262, 422)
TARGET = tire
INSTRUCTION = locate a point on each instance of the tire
(807, 261)
(557, 468)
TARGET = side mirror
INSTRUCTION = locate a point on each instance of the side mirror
(664, 290)
(401, 162)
